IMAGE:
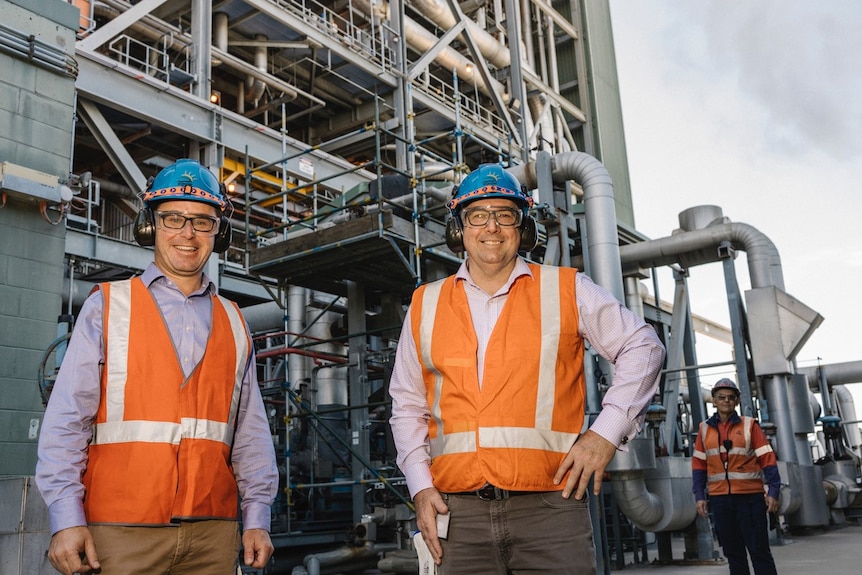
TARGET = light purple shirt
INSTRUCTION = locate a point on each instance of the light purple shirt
(611, 330)
(68, 423)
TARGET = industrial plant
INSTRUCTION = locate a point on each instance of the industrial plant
(340, 129)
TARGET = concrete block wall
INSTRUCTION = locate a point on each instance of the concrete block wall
(37, 105)
(36, 129)
(24, 529)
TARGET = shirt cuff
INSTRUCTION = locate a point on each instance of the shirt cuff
(616, 428)
(66, 513)
(256, 516)
(418, 477)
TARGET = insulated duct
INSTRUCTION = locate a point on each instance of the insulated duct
(602, 240)
(700, 246)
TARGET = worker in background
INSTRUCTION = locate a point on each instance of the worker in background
(488, 394)
(156, 424)
(732, 460)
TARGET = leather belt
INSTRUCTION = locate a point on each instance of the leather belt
(493, 493)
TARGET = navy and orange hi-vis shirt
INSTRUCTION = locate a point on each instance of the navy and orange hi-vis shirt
(744, 468)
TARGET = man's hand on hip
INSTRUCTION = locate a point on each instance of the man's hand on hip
(589, 456)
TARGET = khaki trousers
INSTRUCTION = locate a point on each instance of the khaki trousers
(192, 548)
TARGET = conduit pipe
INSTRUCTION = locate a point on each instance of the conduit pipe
(256, 87)
(836, 375)
(847, 412)
(297, 302)
(493, 50)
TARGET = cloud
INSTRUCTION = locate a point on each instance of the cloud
(755, 107)
(800, 62)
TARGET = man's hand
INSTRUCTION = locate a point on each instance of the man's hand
(429, 503)
(701, 507)
(257, 548)
(589, 456)
(72, 551)
(771, 504)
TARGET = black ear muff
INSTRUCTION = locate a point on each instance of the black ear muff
(454, 233)
(223, 237)
(529, 234)
(144, 228)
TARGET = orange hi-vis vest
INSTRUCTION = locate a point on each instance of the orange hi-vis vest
(744, 472)
(161, 443)
(516, 429)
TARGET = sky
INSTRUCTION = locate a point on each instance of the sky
(755, 107)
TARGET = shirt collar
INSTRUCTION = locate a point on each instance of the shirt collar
(715, 420)
(153, 273)
(521, 269)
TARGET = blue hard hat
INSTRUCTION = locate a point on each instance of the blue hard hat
(186, 179)
(490, 181)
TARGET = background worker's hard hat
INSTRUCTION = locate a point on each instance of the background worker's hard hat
(725, 383)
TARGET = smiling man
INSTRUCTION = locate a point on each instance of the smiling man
(488, 394)
(156, 429)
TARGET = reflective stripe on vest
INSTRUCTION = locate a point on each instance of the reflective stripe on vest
(538, 442)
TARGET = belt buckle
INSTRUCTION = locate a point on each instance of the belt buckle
(492, 493)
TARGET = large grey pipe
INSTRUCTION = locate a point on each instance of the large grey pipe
(697, 247)
(834, 373)
(602, 240)
(693, 247)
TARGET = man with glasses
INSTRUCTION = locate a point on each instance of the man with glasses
(156, 429)
(732, 460)
(488, 394)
